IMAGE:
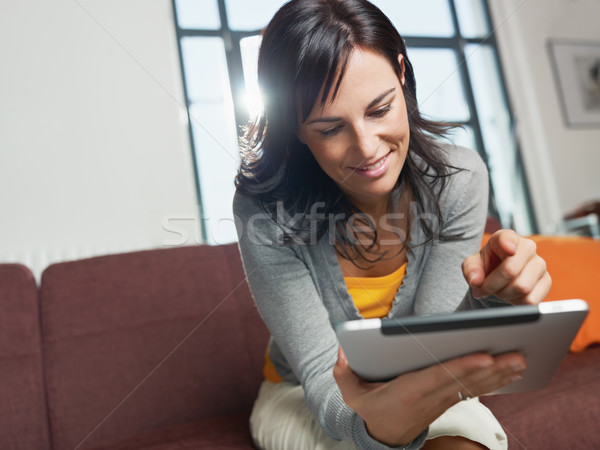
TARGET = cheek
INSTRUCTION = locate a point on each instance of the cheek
(401, 130)
(326, 154)
(329, 160)
(400, 114)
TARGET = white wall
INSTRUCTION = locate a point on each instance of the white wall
(94, 150)
(562, 164)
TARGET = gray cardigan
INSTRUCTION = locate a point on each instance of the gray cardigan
(300, 290)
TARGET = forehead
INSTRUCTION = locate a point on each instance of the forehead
(367, 74)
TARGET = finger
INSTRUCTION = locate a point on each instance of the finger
(436, 385)
(510, 268)
(500, 246)
(539, 292)
(449, 372)
(526, 282)
(504, 370)
(504, 243)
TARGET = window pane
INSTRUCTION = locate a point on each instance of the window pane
(249, 48)
(213, 131)
(498, 138)
(463, 137)
(471, 18)
(217, 159)
(204, 81)
(439, 88)
(200, 14)
(247, 15)
(419, 18)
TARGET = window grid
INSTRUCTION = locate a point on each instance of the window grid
(456, 43)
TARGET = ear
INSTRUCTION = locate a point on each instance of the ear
(401, 61)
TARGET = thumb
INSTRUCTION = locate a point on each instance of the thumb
(473, 269)
(347, 381)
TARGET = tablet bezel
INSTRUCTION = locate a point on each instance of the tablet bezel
(380, 349)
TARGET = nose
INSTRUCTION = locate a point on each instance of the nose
(366, 142)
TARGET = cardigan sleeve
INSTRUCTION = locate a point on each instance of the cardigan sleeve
(464, 205)
(289, 303)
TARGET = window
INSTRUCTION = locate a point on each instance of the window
(456, 65)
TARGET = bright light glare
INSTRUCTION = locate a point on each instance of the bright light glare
(253, 100)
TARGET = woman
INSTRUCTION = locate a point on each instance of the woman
(346, 208)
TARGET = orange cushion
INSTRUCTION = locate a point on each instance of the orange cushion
(574, 265)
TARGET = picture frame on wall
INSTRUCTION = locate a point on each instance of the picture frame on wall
(577, 73)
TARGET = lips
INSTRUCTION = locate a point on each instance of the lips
(374, 170)
(375, 166)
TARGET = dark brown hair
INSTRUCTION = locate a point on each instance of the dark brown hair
(305, 48)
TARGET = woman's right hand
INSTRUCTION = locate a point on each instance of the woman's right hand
(396, 412)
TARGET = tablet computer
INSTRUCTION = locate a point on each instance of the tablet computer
(381, 349)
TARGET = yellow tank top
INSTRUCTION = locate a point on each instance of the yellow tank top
(372, 296)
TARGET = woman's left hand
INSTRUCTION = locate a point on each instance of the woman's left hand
(509, 268)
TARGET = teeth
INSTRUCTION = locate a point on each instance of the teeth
(377, 165)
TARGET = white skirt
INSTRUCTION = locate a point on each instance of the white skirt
(281, 420)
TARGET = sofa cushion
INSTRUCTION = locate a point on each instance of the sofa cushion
(145, 340)
(217, 433)
(573, 263)
(565, 414)
(23, 410)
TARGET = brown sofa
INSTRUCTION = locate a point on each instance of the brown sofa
(163, 349)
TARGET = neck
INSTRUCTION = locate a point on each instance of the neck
(375, 209)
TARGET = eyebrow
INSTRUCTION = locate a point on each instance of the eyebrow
(369, 106)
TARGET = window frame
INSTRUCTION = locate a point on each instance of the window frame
(456, 44)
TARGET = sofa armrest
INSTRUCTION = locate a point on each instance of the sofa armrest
(23, 418)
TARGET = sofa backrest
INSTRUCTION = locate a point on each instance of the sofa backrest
(147, 339)
(23, 418)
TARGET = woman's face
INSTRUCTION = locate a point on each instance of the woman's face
(361, 138)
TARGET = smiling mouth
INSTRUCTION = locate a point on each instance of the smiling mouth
(373, 166)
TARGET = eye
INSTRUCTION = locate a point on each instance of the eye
(381, 112)
(330, 131)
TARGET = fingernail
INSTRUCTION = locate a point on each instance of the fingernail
(487, 362)
(517, 367)
(516, 377)
(470, 277)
